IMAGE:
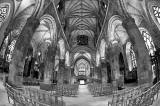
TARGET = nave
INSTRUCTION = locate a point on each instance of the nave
(80, 52)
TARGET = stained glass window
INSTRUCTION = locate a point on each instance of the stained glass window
(156, 12)
(11, 48)
(131, 57)
(149, 42)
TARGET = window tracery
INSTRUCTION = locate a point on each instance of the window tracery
(11, 49)
(131, 57)
(148, 41)
(4, 12)
(156, 12)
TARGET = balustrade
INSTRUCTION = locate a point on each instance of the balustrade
(143, 95)
(33, 97)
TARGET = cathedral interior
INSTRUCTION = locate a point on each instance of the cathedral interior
(79, 52)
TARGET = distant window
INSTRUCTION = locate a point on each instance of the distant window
(82, 40)
(131, 57)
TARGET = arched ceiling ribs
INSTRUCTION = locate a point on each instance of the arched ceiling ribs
(75, 33)
(82, 53)
(60, 24)
(135, 10)
(116, 32)
(74, 28)
(83, 48)
(85, 21)
(80, 7)
(103, 26)
(24, 4)
(45, 34)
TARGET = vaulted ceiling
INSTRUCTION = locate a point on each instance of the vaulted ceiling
(81, 18)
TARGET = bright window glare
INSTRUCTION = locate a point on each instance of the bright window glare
(82, 82)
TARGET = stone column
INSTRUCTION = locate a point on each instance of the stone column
(144, 70)
(61, 71)
(66, 75)
(16, 66)
(115, 68)
(125, 61)
(98, 73)
(48, 72)
(49, 65)
(104, 72)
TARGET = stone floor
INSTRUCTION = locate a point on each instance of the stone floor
(3, 96)
(84, 98)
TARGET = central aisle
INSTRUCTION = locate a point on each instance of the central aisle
(85, 98)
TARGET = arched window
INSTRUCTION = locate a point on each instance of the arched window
(10, 49)
(156, 12)
(131, 58)
(148, 41)
(4, 47)
(149, 44)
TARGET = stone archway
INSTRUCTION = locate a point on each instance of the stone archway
(82, 69)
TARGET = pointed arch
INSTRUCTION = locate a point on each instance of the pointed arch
(82, 67)
(148, 40)
(67, 59)
(102, 49)
(97, 59)
(116, 32)
(131, 58)
(61, 45)
(45, 34)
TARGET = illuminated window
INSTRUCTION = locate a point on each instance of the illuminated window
(11, 48)
(131, 58)
(156, 12)
(149, 42)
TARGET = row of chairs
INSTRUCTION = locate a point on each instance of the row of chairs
(31, 82)
(119, 97)
(103, 89)
(67, 90)
(32, 97)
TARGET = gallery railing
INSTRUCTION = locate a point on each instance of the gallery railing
(33, 97)
(141, 96)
